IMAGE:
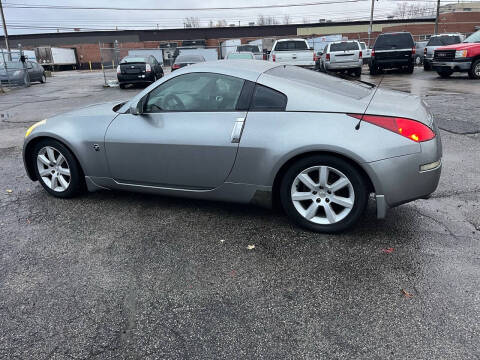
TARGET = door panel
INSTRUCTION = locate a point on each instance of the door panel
(191, 150)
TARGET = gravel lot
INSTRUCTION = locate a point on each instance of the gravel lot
(118, 275)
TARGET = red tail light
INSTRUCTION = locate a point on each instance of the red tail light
(273, 57)
(327, 57)
(408, 128)
(372, 53)
(425, 51)
(315, 57)
(175, 66)
(414, 50)
(360, 55)
(148, 68)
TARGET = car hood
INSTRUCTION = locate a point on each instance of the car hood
(460, 46)
(103, 109)
(399, 104)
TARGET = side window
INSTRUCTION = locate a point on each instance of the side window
(266, 99)
(196, 92)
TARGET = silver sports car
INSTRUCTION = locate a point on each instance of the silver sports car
(251, 132)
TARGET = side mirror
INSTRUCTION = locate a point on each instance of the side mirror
(137, 108)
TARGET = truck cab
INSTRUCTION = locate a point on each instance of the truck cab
(462, 57)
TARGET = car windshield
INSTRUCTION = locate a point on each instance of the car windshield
(344, 46)
(394, 41)
(443, 40)
(239, 56)
(321, 81)
(474, 38)
(11, 65)
(291, 45)
(249, 48)
(132, 60)
(189, 59)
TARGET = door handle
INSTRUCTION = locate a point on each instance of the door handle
(237, 130)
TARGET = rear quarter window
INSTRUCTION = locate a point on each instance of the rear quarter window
(267, 99)
(394, 41)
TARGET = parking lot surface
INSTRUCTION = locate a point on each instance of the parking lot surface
(119, 275)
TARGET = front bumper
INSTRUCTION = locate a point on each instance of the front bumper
(457, 65)
(399, 180)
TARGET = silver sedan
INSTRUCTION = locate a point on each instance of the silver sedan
(251, 132)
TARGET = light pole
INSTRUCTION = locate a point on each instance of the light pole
(370, 28)
(436, 18)
(5, 32)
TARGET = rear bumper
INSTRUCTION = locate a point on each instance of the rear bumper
(132, 79)
(400, 180)
(457, 65)
(391, 63)
(343, 65)
(306, 64)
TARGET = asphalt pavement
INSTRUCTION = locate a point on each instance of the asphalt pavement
(114, 275)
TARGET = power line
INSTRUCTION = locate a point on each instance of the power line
(68, 7)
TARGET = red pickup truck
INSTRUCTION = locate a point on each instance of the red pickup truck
(463, 57)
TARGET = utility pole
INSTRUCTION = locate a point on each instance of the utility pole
(5, 32)
(370, 28)
(436, 19)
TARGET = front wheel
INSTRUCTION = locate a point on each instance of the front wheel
(57, 169)
(43, 79)
(323, 193)
(474, 72)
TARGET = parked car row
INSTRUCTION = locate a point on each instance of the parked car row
(21, 74)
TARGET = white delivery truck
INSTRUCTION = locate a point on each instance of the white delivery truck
(229, 46)
(293, 52)
(56, 57)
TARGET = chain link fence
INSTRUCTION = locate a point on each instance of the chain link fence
(13, 71)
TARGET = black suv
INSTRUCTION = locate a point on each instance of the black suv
(393, 51)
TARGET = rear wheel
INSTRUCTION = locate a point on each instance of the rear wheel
(57, 169)
(409, 69)
(122, 86)
(358, 72)
(474, 72)
(445, 73)
(373, 69)
(323, 193)
(43, 79)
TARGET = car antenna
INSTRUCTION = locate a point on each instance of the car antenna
(374, 93)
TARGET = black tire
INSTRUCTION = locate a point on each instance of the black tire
(373, 69)
(122, 86)
(358, 72)
(427, 66)
(77, 179)
(409, 69)
(444, 73)
(43, 79)
(354, 176)
(474, 72)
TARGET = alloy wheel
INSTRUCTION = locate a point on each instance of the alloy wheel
(322, 195)
(477, 70)
(53, 168)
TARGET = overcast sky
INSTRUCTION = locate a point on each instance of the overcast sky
(47, 20)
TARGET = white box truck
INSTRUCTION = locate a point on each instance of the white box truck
(229, 46)
(56, 57)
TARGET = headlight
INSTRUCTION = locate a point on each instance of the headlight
(30, 129)
(461, 53)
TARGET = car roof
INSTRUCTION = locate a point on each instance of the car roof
(246, 69)
(342, 41)
(448, 34)
(291, 39)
